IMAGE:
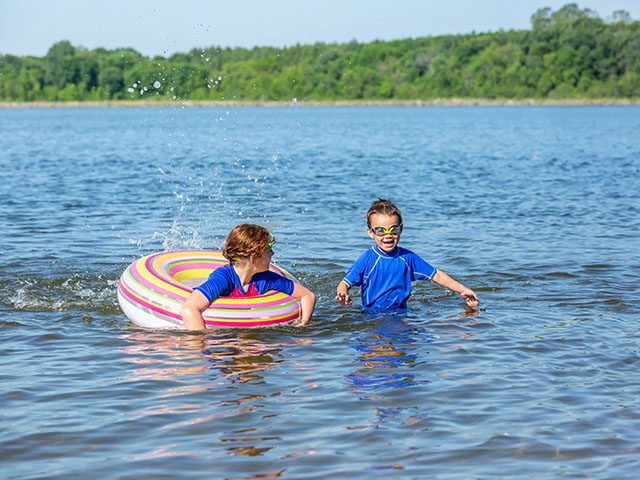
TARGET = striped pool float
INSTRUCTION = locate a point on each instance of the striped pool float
(153, 288)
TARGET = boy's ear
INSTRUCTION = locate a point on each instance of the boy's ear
(370, 232)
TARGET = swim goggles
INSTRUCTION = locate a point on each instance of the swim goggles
(392, 230)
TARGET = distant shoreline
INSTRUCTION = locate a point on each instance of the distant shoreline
(448, 102)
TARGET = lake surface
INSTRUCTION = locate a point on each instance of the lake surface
(535, 208)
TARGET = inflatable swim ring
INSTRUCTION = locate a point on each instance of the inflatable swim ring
(153, 288)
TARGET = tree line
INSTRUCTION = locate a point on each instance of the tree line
(568, 53)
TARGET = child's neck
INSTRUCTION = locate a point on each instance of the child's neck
(245, 271)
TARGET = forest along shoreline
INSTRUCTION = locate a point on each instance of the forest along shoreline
(445, 102)
(571, 56)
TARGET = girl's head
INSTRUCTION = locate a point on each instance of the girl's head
(247, 241)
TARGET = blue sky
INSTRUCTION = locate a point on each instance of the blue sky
(155, 27)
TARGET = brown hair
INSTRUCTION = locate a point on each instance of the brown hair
(384, 207)
(246, 240)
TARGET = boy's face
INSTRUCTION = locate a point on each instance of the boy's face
(386, 242)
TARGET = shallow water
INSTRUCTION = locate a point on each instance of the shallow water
(535, 208)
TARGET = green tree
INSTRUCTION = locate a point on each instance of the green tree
(570, 52)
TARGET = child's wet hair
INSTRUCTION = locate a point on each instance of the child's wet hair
(384, 207)
(246, 240)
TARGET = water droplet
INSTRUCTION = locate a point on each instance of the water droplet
(157, 84)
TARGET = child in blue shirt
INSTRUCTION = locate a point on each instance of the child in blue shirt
(385, 271)
(248, 249)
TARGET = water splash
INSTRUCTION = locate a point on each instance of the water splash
(77, 292)
(180, 236)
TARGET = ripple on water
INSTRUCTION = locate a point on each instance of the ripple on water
(540, 382)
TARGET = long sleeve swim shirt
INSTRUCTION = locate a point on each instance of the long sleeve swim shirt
(385, 279)
(224, 282)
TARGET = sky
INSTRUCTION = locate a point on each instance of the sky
(162, 27)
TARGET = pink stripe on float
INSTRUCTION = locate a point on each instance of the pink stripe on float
(141, 301)
(155, 295)
(277, 269)
(250, 323)
(220, 303)
(148, 264)
(246, 323)
(156, 288)
(189, 256)
(191, 266)
(235, 313)
(231, 314)
(217, 322)
(143, 282)
(257, 304)
(235, 309)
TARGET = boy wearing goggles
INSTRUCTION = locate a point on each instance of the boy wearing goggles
(248, 249)
(385, 271)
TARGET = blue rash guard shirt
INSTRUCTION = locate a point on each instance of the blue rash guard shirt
(385, 279)
(224, 282)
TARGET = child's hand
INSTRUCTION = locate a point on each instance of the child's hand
(342, 293)
(343, 298)
(470, 297)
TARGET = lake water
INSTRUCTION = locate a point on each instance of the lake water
(534, 208)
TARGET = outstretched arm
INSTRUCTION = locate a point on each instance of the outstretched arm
(192, 309)
(446, 281)
(342, 293)
(307, 303)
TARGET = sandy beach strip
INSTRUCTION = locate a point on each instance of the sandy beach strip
(453, 102)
